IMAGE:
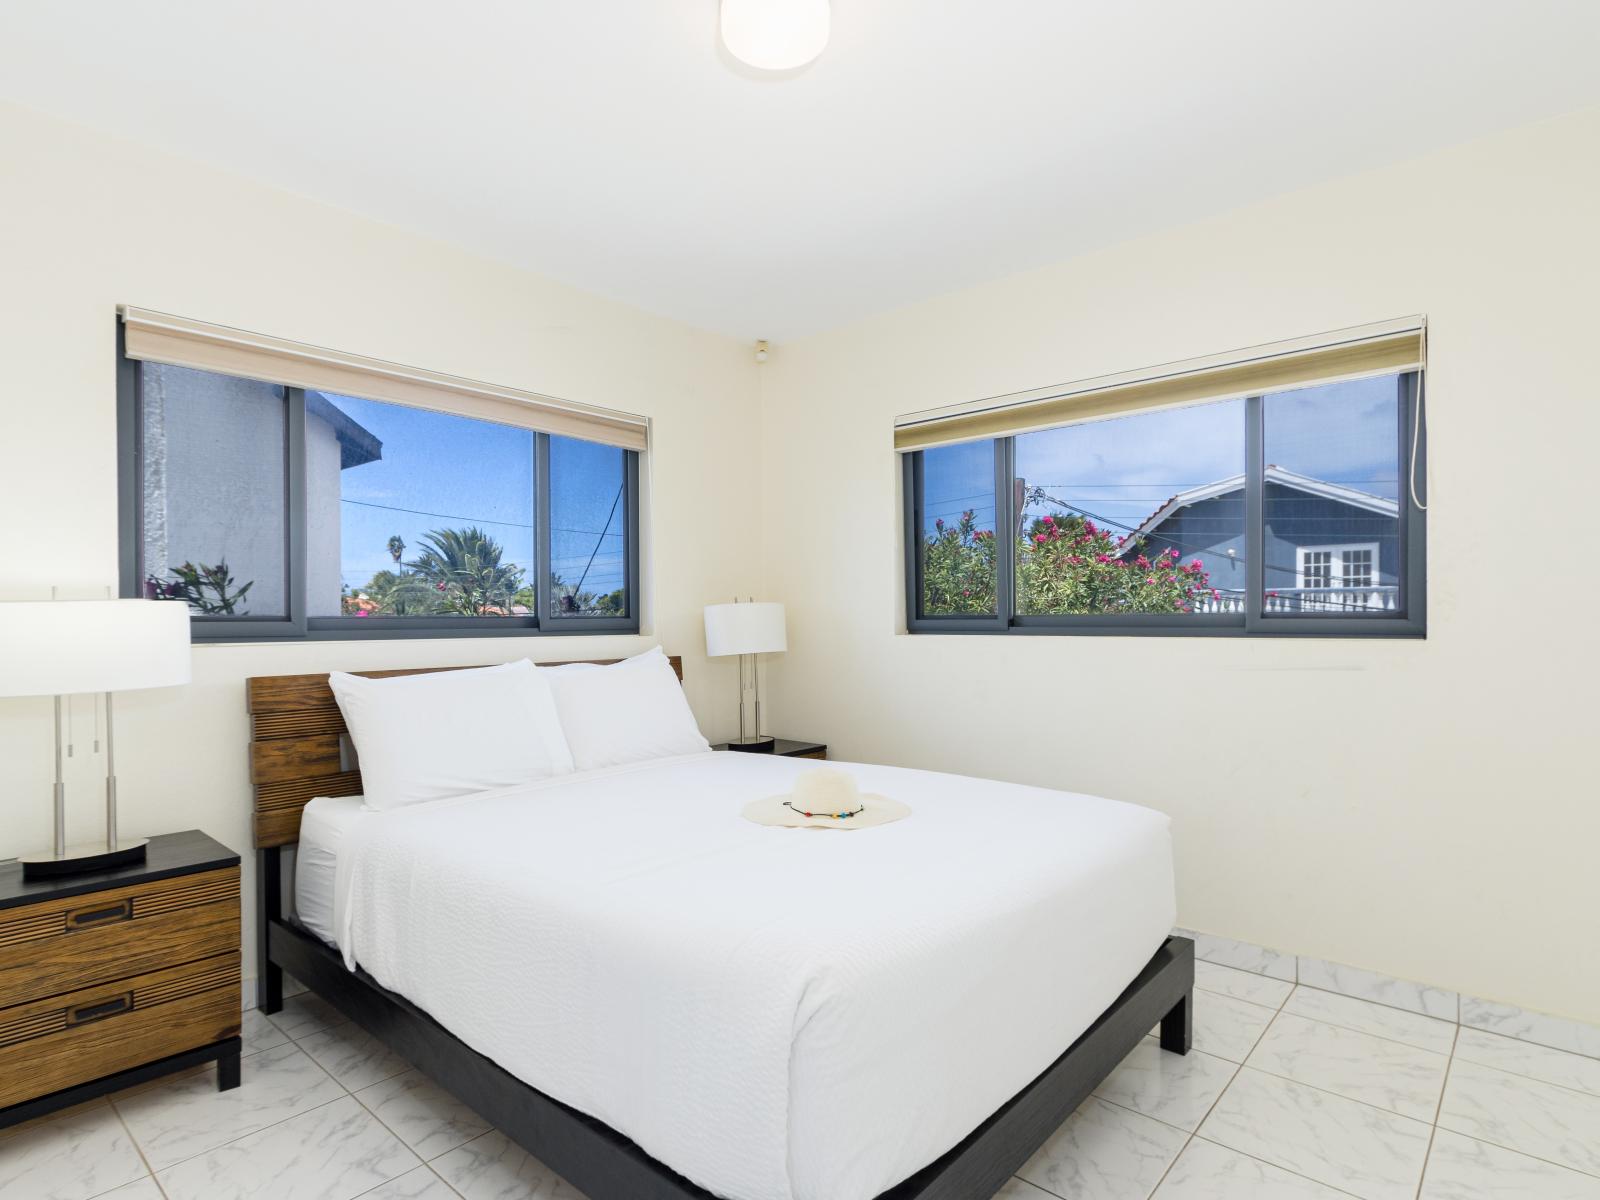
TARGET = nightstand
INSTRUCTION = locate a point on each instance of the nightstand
(114, 977)
(787, 749)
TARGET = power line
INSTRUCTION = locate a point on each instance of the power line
(617, 499)
(479, 520)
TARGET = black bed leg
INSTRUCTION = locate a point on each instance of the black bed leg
(228, 1070)
(269, 894)
(1177, 1027)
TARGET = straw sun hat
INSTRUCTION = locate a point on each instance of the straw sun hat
(820, 800)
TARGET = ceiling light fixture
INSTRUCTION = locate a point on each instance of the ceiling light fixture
(775, 35)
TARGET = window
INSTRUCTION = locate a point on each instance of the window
(284, 512)
(1282, 513)
(1333, 579)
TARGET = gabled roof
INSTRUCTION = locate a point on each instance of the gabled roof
(1274, 474)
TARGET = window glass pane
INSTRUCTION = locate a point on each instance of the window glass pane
(588, 529)
(215, 517)
(958, 530)
(1135, 514)
(411, 513)
(1332, 498)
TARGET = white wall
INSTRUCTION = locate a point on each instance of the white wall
(88, 222)
(1425, 809)
(1460, 854)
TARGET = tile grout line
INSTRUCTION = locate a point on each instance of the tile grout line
(1549, 1162)
(1223, 1091)
(1565, 1087)
(1340, 1095)
(242, 1136)
(1332, 1187)
(1383, 1037)
(251, 1133)
(1433, 1130)
(1460, 1000)
(1393, 1041)
(134, 1142)
(1411, 1012)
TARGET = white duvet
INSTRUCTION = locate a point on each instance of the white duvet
(778, 1014)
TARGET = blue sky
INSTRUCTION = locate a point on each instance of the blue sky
(440, 471)
(1122, 470)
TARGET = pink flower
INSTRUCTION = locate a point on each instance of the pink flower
(1142, 561)
(1075, 560)
(1039, 538)
(1216, 595)
(939, 524)
(1102, 558)
(1049, 521)
(1088, 527)
(1195, 565)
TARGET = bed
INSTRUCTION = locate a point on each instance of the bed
(908, 1015)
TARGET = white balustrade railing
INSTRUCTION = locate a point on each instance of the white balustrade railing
(1307, 600)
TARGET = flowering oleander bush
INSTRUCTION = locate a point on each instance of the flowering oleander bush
(1064, 565)
(210, 590)
(1071, 565)
(958, 568)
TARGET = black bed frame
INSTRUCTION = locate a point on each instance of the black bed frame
(605, 1165)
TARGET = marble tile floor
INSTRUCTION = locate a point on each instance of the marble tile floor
(1290, 1092)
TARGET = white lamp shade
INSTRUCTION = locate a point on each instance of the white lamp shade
(53, 648)
(775, 35)
(745, 629)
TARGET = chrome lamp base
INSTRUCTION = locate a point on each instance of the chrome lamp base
(86, 856)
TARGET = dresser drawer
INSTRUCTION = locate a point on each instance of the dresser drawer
(47, 1045)
(63, 945)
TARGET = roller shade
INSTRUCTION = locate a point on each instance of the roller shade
(177, 341)
(1382, 349)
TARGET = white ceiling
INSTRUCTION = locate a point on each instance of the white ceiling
(936, 143)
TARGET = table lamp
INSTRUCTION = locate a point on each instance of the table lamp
(748, 630)
(64, 647)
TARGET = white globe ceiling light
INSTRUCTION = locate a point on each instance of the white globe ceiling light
(775, 35)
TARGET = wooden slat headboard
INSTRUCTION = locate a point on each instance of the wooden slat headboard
(295, 727)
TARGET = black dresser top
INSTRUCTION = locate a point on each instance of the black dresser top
(167, 855)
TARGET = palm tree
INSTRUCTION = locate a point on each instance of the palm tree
(463, 568)
(400, 594)
(397, 547)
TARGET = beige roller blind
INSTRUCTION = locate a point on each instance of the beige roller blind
(177, 341)
(1349, 354)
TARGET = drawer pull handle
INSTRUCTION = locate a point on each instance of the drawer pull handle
(97, 1012)
(84, 918)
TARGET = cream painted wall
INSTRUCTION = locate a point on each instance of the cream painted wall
(87, 222)
(1424, 809)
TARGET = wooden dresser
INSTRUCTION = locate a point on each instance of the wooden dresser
(114, 977)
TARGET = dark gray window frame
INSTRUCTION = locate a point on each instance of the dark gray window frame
(1254, 621)
(296, 625)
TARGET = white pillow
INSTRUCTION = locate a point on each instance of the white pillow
(447, 733)
(625, 712)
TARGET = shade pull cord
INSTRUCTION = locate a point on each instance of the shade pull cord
(1417, 422)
